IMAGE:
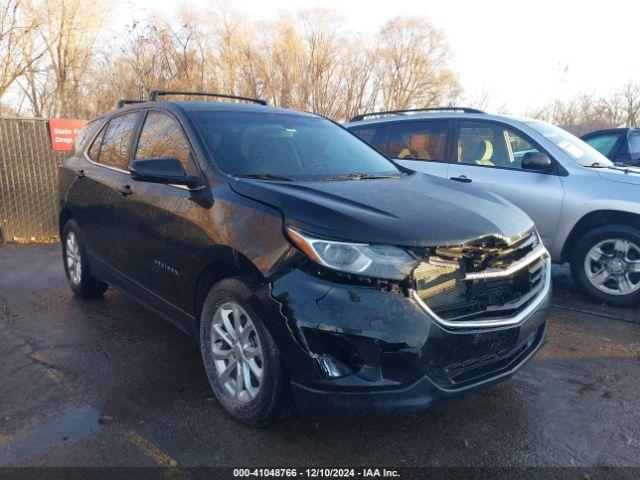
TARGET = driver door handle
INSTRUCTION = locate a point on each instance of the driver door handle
(461, 179)
(125, 190)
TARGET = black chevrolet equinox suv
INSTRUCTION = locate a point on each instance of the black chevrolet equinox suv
(313, 271)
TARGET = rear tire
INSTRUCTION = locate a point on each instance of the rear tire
(234, 339)
(76, 264)
(606, 264)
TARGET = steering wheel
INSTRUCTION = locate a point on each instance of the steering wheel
(320, 164)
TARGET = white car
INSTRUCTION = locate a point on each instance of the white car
(586, 208)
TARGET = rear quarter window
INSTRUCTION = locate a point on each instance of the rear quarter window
(94, 150)
(372, 134)
(85, 135)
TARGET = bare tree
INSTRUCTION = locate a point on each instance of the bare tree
(306, 61)
(284, 48)
(360, 88)
(319, 68)
(68, 29)
(18, 51)
(588, 112)
(412, 67)
(630, 98)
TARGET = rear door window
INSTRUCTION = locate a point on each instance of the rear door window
(116, 143)
(162, 137)
(424, 140)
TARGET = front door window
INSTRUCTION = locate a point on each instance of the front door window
(492, 145)
(162, 137)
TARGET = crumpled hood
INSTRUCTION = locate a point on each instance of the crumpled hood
(412, 210)
(633, 177)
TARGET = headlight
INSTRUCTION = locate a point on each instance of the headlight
(380, 261)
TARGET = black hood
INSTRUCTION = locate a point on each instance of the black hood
(412, 210)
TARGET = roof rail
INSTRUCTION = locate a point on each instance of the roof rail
(123, 102)
(154, 94)
(362, 116)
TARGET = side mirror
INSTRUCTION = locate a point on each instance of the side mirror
(165, 170)
(539, 162)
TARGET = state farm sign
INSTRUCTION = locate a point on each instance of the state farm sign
(63, 132)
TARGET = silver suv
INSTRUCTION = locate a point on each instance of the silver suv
(586, 208)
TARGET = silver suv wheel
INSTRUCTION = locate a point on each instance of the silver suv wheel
(74, 259)
(613, 266)
(236, 352)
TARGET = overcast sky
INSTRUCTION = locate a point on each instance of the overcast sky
(522, 53)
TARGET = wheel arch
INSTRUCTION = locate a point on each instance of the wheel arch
(595, 219)
(219, 263)
(65, 216)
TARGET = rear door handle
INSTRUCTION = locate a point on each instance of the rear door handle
(125, 190)
(461, 179)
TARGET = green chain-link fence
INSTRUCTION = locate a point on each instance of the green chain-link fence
(28, 182)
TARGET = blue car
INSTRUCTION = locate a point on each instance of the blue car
(617, 144)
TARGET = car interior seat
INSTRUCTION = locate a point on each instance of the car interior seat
(484, 152)
(475, 151)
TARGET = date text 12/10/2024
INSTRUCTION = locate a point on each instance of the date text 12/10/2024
(315, 473)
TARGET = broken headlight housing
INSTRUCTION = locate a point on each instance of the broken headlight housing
(378, 261)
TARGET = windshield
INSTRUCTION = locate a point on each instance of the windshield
(577, 149)
(297, 147)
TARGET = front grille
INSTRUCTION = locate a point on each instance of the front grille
(476, 369)
(469, 282)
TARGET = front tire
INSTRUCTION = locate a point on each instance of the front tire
(240, 357)
(606, 265)
(76, 265)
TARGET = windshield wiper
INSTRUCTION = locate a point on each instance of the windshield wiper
(266, 176)
(361, 176)
(624, 167)
(621, 167)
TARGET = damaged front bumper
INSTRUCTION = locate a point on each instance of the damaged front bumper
(359, 350)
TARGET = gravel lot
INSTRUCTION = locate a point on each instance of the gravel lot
(108, 383)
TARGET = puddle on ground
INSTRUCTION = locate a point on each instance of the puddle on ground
(77, 422)
(73, 422)
(129, 403)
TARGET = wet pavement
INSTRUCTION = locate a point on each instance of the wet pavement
(106, 382)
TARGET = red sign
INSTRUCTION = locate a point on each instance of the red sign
(63, 132)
